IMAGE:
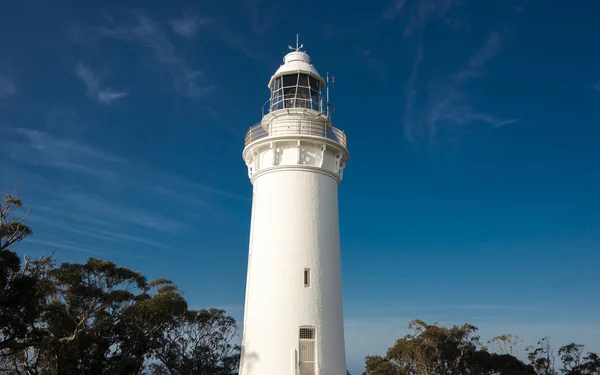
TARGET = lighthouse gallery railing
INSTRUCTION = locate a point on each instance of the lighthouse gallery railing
(297, 126)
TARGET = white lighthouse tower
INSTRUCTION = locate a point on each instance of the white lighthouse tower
(293, 318)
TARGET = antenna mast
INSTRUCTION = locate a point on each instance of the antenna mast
(297, 46)
(328, 105)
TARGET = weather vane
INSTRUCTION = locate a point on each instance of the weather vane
(297, 46)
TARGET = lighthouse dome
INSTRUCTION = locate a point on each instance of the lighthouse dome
(296, 62)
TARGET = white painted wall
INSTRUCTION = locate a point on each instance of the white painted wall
(295, 225)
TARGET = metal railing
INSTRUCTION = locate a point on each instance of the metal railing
(297, 126)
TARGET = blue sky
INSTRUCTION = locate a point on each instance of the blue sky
(472, 190)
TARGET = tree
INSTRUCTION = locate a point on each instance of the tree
(12, 229)
(23, 285)
(507, 344)
(542, 357)
(101, 318)
(431, 349)
(575, 363)
(199, 342)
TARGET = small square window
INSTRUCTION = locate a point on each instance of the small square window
(307, 277)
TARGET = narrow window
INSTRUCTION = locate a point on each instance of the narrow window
(307, 277)
(308, 353)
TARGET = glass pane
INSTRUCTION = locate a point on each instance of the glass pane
(303, 92)
(289, 92)
(277, 99)
(303, 96)
(277, 84)
(290, 80)
(314, 83)
(303, 80)
(315, 98)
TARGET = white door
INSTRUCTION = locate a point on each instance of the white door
(308, 352)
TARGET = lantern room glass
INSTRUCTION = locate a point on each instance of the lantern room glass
(296, 90)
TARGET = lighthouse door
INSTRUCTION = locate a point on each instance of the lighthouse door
(308, 351)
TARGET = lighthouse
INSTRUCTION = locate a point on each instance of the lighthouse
(293, 315)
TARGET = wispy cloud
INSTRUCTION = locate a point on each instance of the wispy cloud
(425, 11)
(393, 9)
(152, 36)
(448, 109)
(7, 87)
(411, 93)
(518, 9)
(92, 81)
(65, 246)
(476, 63)
(372, 62)
(35, 147)
(248, 37)
(188, 26)
(93, 230)
(238, 41)
(149, 35)
(122, 212)
(81, 191)
(483, 307)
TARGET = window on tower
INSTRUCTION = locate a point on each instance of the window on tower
(307, 277)
(296, 91)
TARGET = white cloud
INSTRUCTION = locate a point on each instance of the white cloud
(64, 246)
(424, 11)
(92, 81)
(7, 87)
(394, 9)
(448, 111)
(373, 62)
(473, 69)
(149, 35)
(411, 92)
(38, 148)
(188, 26)
(77, 189)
